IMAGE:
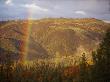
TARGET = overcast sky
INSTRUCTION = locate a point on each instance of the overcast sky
(55, 8)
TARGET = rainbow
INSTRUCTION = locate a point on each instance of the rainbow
(25, 46)
(26, 30)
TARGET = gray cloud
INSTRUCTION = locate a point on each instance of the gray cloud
(55, 8)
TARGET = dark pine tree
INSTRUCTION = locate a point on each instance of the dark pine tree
(83, 71)
(101, 59)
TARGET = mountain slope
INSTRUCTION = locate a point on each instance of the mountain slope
(53, 36)
(69, 36)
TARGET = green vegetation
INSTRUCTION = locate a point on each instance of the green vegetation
(101, 59)
(99, 71)
(83, 71)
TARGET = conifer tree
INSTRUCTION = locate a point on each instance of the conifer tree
(83, 74)
(101, 59)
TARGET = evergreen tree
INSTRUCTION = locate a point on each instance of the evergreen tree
(101, 59)
(83, 74)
